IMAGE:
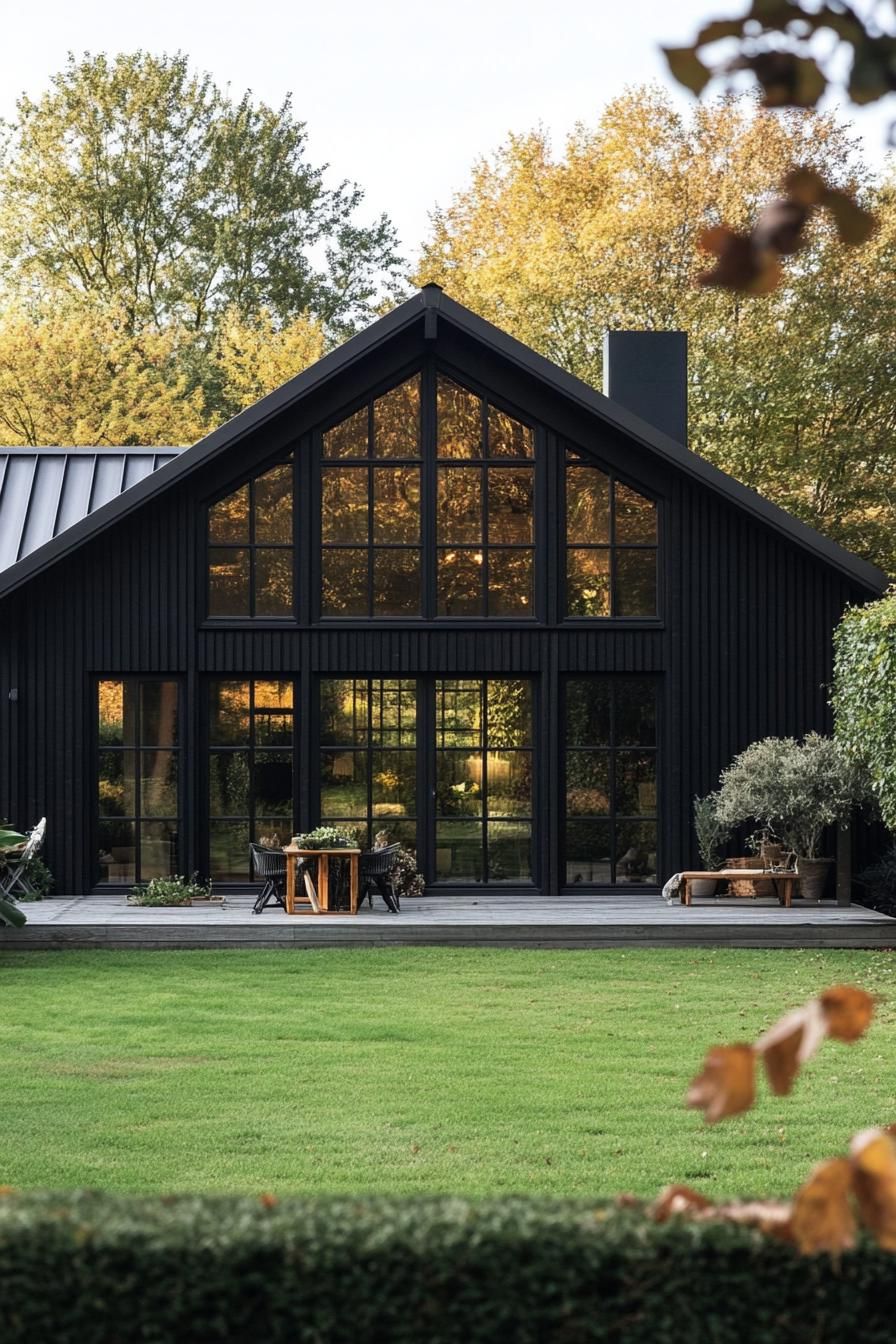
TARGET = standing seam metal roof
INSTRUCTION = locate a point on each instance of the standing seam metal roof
(44, 491)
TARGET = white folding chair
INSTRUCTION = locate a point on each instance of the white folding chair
(13, 879)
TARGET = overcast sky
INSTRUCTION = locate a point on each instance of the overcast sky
(400, 95)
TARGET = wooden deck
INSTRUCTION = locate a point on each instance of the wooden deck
(482, 920)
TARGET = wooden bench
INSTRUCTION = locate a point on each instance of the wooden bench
(783, 882)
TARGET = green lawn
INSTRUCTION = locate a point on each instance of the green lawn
(417, 1070)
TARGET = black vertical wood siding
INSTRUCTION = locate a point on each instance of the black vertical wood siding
(743, 649)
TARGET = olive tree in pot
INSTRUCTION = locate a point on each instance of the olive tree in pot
(793, 790)
(711, 835)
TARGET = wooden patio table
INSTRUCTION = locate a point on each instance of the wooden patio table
(294, 856)
(784, 892)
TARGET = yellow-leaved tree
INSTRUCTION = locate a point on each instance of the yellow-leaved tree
(793, 392)
(76, 377)
(253, 356)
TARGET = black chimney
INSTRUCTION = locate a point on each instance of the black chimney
(647, 372)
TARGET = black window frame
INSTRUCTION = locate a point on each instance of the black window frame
(250, 748)
(484, 463)
(429, 368)
(612, 819)
(369, 749)
(572, 456)
(484, 747)
(371, 463)
(253, 546)
(179, 749)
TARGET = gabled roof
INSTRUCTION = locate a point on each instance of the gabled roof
(46, 491)
(430, 307)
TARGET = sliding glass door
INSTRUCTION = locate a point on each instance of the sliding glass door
(251, 769)
(483, 781)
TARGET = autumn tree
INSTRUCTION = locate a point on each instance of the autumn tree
(136, 184)
(80, 378)
(792, 393)
(252, 357)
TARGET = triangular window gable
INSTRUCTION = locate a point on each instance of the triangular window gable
(471, 486)
(428, 497)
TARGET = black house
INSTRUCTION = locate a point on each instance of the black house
(433, 585)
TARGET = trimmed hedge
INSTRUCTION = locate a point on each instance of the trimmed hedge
(98, 1269)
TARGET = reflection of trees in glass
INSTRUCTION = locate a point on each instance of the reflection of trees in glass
(250, 560)
(370, 513)
(137, 777)
(611, 779)
(110, 708)
(250, 785)
(368, 761)
(483, 780)
(611, 536)
(485, 520)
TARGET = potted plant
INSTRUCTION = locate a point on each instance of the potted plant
(174, 891)
(406, 878)
(324, 837)
(711, 835)
(793, 790)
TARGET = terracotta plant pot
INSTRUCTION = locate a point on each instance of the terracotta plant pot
(813, 875)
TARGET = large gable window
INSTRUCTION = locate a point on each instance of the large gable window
(611, 552)
(485, 510)
(370, 509)
(250, 548)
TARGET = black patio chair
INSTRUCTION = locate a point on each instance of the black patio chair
(375, 871)
(269, 864)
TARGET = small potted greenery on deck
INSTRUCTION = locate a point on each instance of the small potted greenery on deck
(711, 835)
(174, 891)
(325, 837)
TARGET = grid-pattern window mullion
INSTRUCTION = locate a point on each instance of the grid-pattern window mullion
(484, 753)
(611, 754)
(365, 571)
(611, 556)
(138, 778)
(248, 575)
(368, 767)
(255, 773)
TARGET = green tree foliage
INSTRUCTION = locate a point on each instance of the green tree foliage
(793, 393)
(138, 184)
(864, 696)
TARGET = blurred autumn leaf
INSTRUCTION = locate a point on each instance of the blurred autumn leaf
(748, 262)
(823, 1218)
(840, 1193)
(727, 1086)
(776, 41)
